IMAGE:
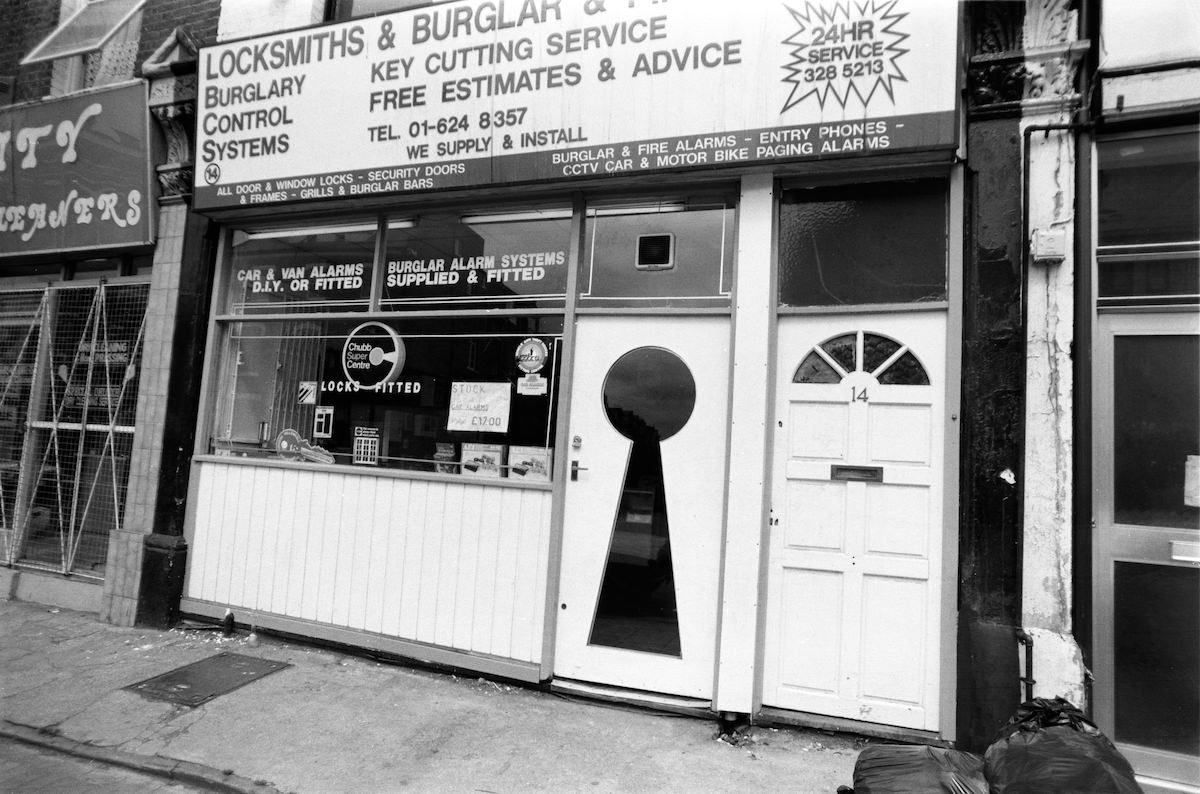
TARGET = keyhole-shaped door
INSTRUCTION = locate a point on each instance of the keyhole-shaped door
(643, 512)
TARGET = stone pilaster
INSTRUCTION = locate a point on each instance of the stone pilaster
(1051, 99)
(135, 548)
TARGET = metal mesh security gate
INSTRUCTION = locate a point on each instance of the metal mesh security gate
(69, 364)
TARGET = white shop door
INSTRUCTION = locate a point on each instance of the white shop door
(857, 519)
(644, 504)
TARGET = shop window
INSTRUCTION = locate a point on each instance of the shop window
(302, 270)
(668, 254)
(440, 357)
(1149, 189)
(470, 395)
(1148, 208)
(17, 275)
(141, 265)
(515, 260)
(30, 274)
(94, 268)
(868, 244)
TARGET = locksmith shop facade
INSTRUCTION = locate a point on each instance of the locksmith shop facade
(534, 351)
(717, 361)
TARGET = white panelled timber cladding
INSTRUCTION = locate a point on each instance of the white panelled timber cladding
(69, 371)
(856, 522)
(456, 565)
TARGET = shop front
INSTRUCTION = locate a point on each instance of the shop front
(610, 347)
(76, 223)
(1142, 307)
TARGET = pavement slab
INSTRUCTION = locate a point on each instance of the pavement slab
(335, 721)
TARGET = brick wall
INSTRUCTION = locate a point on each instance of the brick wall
(205, 20)
(25, 24)
(161, 17)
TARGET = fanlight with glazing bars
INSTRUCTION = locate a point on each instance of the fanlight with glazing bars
(888, 361)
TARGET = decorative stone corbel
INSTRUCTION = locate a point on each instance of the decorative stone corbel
(1024, 57)
(996, 72)
(171, 70)
(1052, 55)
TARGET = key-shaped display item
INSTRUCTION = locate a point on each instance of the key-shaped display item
(649, 394)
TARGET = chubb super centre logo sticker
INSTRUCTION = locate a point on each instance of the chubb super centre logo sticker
(372, 356)
(852, 48)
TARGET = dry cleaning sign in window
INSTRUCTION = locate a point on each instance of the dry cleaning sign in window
(479, 406)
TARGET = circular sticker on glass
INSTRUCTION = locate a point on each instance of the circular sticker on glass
(373, 355)
(531, 355)
(288, 444)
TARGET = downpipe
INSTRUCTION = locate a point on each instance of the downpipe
(1024, 639)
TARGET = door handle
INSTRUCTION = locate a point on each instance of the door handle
(575, 469)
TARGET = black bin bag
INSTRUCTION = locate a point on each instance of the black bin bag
(1049, 747)
(916, 769)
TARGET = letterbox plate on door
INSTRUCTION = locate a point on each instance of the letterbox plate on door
(856, 473)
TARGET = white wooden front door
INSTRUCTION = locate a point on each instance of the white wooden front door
(857, 519)
(641, 549)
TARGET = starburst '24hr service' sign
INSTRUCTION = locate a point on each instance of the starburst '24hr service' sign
(481, 92)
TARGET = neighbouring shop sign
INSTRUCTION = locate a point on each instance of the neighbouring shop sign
(482, 92)
(75, 173)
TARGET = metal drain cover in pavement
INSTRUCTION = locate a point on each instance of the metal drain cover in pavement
(200, 682)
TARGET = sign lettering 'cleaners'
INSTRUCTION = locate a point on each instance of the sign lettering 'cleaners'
(481, 92)
(64, 185)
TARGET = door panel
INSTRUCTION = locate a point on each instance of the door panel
(853, 611)
(643, 515)
(1147, 543)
